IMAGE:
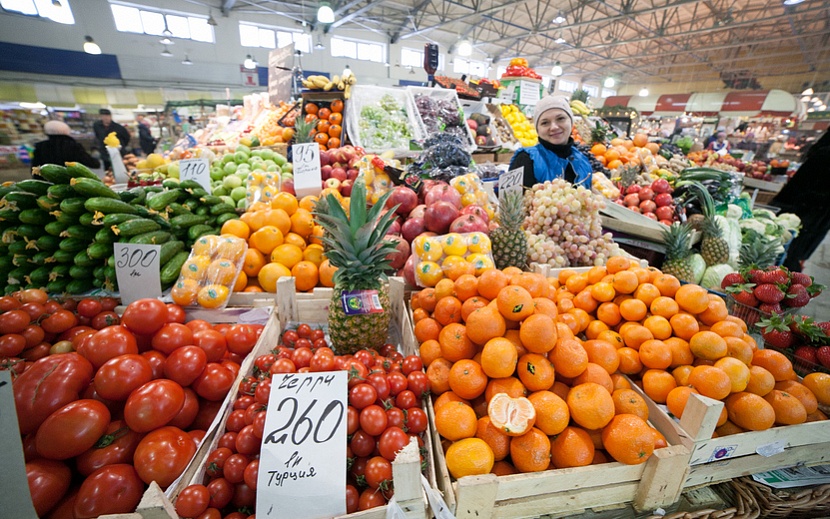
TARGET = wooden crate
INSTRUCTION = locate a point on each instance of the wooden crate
(713, 460)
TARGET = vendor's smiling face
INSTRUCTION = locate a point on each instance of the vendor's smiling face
(554, 126)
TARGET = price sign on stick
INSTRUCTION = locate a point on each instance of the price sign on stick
(119, 172)
(511, 181)
(196, 169)
(14, 489)
(307, 176)
(137, 270)
(302, 463)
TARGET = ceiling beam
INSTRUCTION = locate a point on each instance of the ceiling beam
(465, 18)
(396, 34)
(227, 5)
(349, 17)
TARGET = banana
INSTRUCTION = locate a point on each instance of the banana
(341, 85)
(328, 86)
(335, 79)
(347, 92)
(580, 107)
(320, 81)
(307, 84)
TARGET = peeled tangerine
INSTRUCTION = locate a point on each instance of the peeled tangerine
(513, 416)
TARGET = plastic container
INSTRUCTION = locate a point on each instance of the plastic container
(439, 111)
(208, 276)
(450, 256)
(750, 314)
(378, 119)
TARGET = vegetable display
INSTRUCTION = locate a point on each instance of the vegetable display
(384, 125)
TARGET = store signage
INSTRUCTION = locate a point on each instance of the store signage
(528, 93)
(506, 94)
(250, 78)
(137, 270)
(279, 74)
(513, 180)
(302, 462)
(14, 487)
(307, 175)
(196, 169)
(119, 171)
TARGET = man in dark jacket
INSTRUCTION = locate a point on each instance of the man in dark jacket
(61, 148)
(104, 127)
(145, 138)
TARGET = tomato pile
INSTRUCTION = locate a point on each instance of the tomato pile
(384, 412)
(107, 405)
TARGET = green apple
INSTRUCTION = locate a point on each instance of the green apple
(220, 191)
(242, 203)
(273, 167)
(217, 174)
(230, 168)
(244, 149)
(267, 154)
(173, 170)
(228, 200)
(287, 176)
(256, 153)
(232, 181)
(228, 157)
(240, 156)
(269, 162)
(238, 193)
(279, 159)
(287, 167)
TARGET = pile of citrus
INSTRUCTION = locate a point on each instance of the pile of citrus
(283, 240)
(558, 349)
(620, 152)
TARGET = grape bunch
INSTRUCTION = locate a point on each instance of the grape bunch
(564, 228)
(596, 165)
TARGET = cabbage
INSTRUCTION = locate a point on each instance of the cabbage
(734, 211)
(789, 221)
(698, 266)
(763, 213)
(713, 276)
(753, 224)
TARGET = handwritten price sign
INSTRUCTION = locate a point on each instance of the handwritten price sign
(196, 169)
(302, 464)
(137, 270)
(511, 181)
(307, 175)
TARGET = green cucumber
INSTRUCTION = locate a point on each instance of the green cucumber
(88, 220)
(105, 235)
(172, 269)
(170, 249)
(99, 250)
(187, 220)
(79, 272)
(111, 261)
(152, 238)
(63, 256)
(40, 276)
(191, 205)
(30, 231)
(46, 203)
(35, 217)
(66, 218)
(162, 221)
(109, 272)
(117, 218)
(60, 271)
(18, 276)
(73, 206)
(48, 242)
(82, 259)
(9, 215)
(140, 195)
(60, 191)
(78, 170)
(73, 244)
(211, 200)
(79, 231)
(190, 184)
(153, 189)
(98, 272)
(20, 200)
(5, 190)
(202, 210)
(89, 188)
(199, 193)
(21, 260)
(79, 286)
(193, 233)
(162, 200)
(21, 247)
(5, 262)
(135, 227)
(57, 286)
(38, 187)
(171, 183)
(54, 173)
(176, 209)
(109, 206)
(43, 257)
(222, 218)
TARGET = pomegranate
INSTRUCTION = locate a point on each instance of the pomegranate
(648, 206)
(398, 258)
(440, 215)
(663, 199)
(476, 210)
(665, 212)
(661, 185)
(412, 227)
(646, 193)
(632, 199)
(444, 192)
(418, 212)
(633, 189)
(468, 223)
(404, 198)
(409, 270)
(650, 216)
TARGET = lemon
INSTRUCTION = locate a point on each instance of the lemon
(454, 244)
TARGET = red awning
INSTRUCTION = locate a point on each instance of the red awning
(747, 103)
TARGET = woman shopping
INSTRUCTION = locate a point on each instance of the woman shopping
(61, 147)
(555, 156)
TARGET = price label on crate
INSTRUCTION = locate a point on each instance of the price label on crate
(302, 463)
(137, 270)
(195, 169)
(511, 181)
(506, 94)
(14, 490)
(307, 175)
(528, 93)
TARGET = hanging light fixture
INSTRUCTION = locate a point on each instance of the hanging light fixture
(346, 72)
(325, 13)
(211, 20)
(557, 70)
(90, 47)
(792, 2)
(166, 53)
(807, 92)
(560, 18)
(249, 63)
(559, 39)
(186, 60)
(319, 45)
(167, 41)
(609, 82)
(644, 92)
(465, 48)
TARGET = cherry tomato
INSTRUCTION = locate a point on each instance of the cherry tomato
(243, 497)
(236, 421)
(412, 363)
(370, 498)
(353, 420)
(352, 499)
(145, 316)
(378, 472)
(221, 492)
(48, 482)
(14, 321)
(362, 444)
(107, 344)
(184, 364)
(109, 303)
(89, 308)
(259, 424)
(228, 440)
(282, 366)
(188, 412)
(234, 467)
(263, 391)
(33, 295)
(418, 383)
(112, 489)
(198, 325)
(264, 362)
(321, 362)
(380, 383)
(116, 445)
(172, 336)
(214, 382)
(241, 339)
(175, 314)
(52, 306)
(36, 353)
(9, 303)
(211, 341)
(373, 420)
(416, 420)
(251, 473)
(397, 382)
(104, 319)
(319, 344)
(119, 376)
(72, 429)
(247, 386)
(317, 333)
(243, 402)
(215, 463)
(406, 399)
(302, 357)
(153, 405)
(290, 337)
(357, 372)
(35, 310)
(362, 395)
(391, 441)
(163, 455)
(12, 345)
(395, 417)
(193, 501)
(157, 360)
(366, 357)
(247, 442)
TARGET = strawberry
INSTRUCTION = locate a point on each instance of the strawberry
(825, 326)
(768, 308)
(815, 289)
(800, 278)
(806, 358)
(734, 278)
(742, 293)
(755, 276)
(776, 332)
(777, 276)
(797, 296)
(823, 356)
(768, 293)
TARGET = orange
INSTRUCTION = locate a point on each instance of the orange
(295, 239)
(727, 329)
(469, 457)
(628, 401)
(213, 296)
(511, 386)
(429, 351)
(655, 354)
(185, 292)
(467, 379)
(286, 254)
(569, 358)
(285, 201)
(585, 301)
(609, 313)
(455, 345)
(595, 328)
(535, 371)
(237, 228)
(455, 421)
(640, 140)
(497, 440)
(657, 384)
(603, 354)
(514, 303)
(760, 381)
(538, 333)
(800, 391)
(625, 282)
(221, 272)
(447, 310)
(503, 468)
(466, 286)
(598, 149)
(266, 239)
(635, 334)
(775, 362)
(444, 288)
(681, 374)
(590, 405)
(278, 218)
(750, 411)
(692, 298)
(633, 310)
(711, 381)
(680, 352)
(737, 371)
(314, 254)
(628, 439)
(241, 282)
(573, 447)
(667, 284)
(596, 374)
(305, 275)
(552, 414)
(531, 452)
(576, 283)
(491, 282)
(739, 349)
(677, 398)
(715, 312)
(629, 361)
(788, 409)
(603, 291)
(708, 345)
(620, 382)
(438, 374)
(308, 202)
(664, 306)
(684, 325)
(612, 337)
(302, 223)
(484, 324)
(471, 305)
(427, 329)
(327, 271)
(646, 292)
(270, 274)
(499, 357)
(659, 327)
(819, 384)
(514, 416)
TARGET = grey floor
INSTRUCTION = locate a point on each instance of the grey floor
(818, 266)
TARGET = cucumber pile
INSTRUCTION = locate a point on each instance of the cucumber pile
(58, 233)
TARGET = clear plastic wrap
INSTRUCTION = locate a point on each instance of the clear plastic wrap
(438, 112)
(208, 276)
(451, 256)
(378, 119)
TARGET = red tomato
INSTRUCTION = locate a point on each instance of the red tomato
(264, 362)
(107, 344)
(52, 306)
(391, 441)
(365, 357)
(104, 319)
(362, 444)
(235, 467)
(247, 442)
(72, 429)
(282, 366)
(243, 497)
(175, 314)
(14, 321)
(212, 513)
(185, 364)
(378, 472)
(418, 383)
(380, 383)
(12, 345)
(215, 464)
(66, 508)
(163, 455)
(397, 382)
(222, 328)
(370, 498)
(241, 339)
(412, 363)
(395, 417)
(321, 362)
(145, 316)
(157, 361)
(109, 303)
(172, 336)
(117, 445)
(38, 352)
(302, 357)
(35, 310)
(33, 334)
(263, 391)
(259, 424)
(153, 405)
(214, 382)
(198, 325)
(9, 303)
(193, 501)
(197, 435)
(113, 489)
(416, 420)
(221, 492)
(290, 337)
(362, 395)
(33, 295)
(211, 341)
(75, 331)
(207, 412)
(243, 402)
(231, 365)
(228, 440)
(406, 399)
(59, 322)
(352, 499)
(373, 420)
(188, 412)
(48, 482)
(48, 385)
(236, 421)
(119, 376)
(353, 420)
(251, 473)
(89, 308)
(357, 372)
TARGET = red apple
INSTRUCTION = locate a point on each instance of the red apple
(288, 187)
(339, 174)
(325, 158)
(409, 270)
(635, 188)
(333, 183)
(346, 187)
(661, 185)
(476, 210)
(634, 208)
(352, 174)
(325, 172)
(665, 222)
(648, 206)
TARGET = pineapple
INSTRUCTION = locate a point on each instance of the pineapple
(509, 240)
(677, 240)
(598, 134)
(759, 253)
(629, 174)
(304, 131)
(713, 246)
(358, 249)
(321, 206)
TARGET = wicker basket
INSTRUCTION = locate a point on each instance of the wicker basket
(796, 503)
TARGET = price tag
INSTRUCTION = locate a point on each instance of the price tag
(302, 463)
(506, 94)
(195, 169)
(137, 270)
(14, 488)
(279, 74)
(528, 93)
(119, 172)
(307, 176)
(513, 180)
